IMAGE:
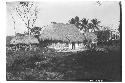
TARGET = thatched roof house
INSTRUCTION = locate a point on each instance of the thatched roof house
(62, 32)
(24, 40)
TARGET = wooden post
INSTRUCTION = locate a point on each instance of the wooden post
(16, 47)
(19, 46)
(73, 45)
(30, 47)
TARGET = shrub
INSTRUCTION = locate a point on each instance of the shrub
(103, 36)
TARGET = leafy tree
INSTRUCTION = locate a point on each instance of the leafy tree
(28, 12)
(103, 36)
(36, 32)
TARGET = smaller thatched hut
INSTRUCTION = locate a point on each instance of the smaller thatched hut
(67, 33)
(24, 41)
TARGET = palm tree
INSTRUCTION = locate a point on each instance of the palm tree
(84, 24)
(95, 23)
(75, 21)
(91, 26)
(72, 21)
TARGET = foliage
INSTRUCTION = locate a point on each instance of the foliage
(36, 31)
(84, 24)
(95, 23)
(75, 21)
(103, 36)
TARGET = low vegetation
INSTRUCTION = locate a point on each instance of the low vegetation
(45, 64)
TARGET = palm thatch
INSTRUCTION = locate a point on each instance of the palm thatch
(62, 32)
(90, 36)
(24, 40)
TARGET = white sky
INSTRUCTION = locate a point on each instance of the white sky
(108, 13)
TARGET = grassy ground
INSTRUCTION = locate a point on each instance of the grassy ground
(46, 64)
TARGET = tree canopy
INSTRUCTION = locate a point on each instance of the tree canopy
(84, 23)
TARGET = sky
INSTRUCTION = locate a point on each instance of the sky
(61, 12)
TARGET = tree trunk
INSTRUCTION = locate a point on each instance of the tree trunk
(28, 31)
(28, 27)
(30, 46)
(14, 28)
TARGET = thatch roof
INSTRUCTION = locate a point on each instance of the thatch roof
(63, 32)
(90, 36)
(24, 40)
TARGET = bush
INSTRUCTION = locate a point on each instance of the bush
(103, 36)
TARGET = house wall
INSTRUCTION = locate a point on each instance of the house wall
(59, 46)
(70, 46)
